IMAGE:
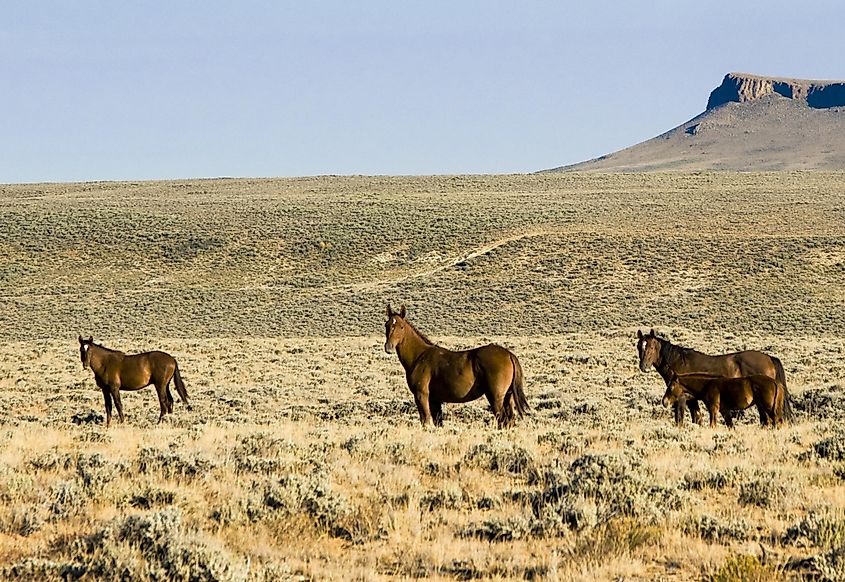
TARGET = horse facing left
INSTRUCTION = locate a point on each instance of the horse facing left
(115, 371)
(436, 375)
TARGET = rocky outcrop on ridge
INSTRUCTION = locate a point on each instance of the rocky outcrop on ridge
(742, 87)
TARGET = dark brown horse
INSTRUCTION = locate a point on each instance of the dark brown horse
(668, 359)
(115, 371)
(436, 375)
(728, 394)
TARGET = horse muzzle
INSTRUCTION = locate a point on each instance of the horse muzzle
(643, 367)
(388, 349)
(666, 402)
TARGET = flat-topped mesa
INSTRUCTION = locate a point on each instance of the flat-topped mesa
(741, 87)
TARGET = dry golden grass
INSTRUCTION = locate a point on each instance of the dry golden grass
(303, 456)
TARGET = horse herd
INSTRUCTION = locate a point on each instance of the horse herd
(436, 375)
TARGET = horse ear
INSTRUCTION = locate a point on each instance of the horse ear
(389, 312)
(652, 332)
(90, 339)
(80, 339)
(402, 312)
(639, 334)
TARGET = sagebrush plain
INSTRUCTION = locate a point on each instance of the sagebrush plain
(303, 457)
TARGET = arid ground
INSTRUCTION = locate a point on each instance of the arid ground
(303, 457)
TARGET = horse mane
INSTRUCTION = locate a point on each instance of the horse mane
(422, 336)
(102, 347)
(675, 349)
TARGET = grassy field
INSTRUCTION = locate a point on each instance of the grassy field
(303, 457)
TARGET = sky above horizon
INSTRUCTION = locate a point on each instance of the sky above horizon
(99, 90)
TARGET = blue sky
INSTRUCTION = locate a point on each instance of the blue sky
(104, 90)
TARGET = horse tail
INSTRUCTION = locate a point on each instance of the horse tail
(780, 397)
(515, 391)
(780, 376)
(180, 386)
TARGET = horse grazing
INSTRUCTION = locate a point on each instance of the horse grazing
(436, 375)
(669, 359)
(115, 371)
(728, 394)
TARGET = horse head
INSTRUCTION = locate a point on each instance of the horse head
(648, 347)
(394, 328)
(674, 391)
(85, 351)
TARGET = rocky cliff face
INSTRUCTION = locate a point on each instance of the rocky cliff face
(740, 87)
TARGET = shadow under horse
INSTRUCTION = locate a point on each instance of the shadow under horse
(436, 375)
(724, 395)
(115, 371)
(670, 359)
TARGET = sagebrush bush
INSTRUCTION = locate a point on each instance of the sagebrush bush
(713, 478)
(312, 496)
(170, 464)
(764, 491)
(825, 529)
(500, 457)
(717, 529)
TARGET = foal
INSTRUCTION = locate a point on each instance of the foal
(724, 395)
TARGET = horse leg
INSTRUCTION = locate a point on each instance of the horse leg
(424, 409)
(728, 416)
(115, 394)
(107, 399)
(713, 409)
(169, 400)
(694, 411)
(436, 408)
(161, 391)
(679, 413)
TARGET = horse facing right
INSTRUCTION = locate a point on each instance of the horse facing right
(436, 375)
(115, 371)
(728, 394)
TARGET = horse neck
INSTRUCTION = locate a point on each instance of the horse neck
(413, 344)
(670, 361)
(681, 360)
(100, 357)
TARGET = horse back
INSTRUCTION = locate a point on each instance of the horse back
(732, 365)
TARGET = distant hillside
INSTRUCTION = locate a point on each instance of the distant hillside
(751, 123)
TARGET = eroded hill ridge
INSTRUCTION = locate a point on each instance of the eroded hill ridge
(751, 123)
(743, 87)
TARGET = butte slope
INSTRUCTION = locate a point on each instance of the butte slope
(751, 123)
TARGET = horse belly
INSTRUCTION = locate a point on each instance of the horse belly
(136, 374)
(459, 387)
(737, 396)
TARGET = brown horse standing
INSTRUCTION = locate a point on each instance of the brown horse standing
(436, 375)
(668, 359)
(115, 371)
(728, 394)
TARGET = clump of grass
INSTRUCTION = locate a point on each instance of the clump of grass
(617, 537)
(746, 568)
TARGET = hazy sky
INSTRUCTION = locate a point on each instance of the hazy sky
(111, 90)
